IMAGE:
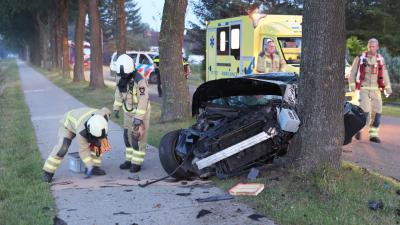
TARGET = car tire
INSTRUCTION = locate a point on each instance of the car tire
(152, 78)
(168, 157)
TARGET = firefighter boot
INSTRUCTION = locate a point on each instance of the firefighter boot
(375, 139)
(125, 166)
(97, 171)
(47, 177)
(135, 168)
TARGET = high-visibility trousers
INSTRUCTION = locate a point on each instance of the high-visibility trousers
(136, 156)
(59, 151)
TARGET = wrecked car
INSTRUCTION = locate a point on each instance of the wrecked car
(241, 123)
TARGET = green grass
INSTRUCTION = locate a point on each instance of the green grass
(195, 79)
(330, 197)
(104, 97)
(391, 110)
(24, 198)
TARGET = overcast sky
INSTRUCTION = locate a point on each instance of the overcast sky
(151, 12)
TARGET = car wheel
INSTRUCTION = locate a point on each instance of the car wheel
(153, 78)
(168, 157)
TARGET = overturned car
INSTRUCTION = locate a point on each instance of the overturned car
(241, 123)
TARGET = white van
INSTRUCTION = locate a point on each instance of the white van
(143, 63)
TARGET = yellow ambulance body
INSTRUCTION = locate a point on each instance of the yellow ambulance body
(235, 43)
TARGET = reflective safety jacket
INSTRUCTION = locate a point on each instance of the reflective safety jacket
(75, 119)
(136, 98)
(270, 63)
(369, 72)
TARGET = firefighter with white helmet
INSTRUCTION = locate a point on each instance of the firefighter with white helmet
(90, 127)
(369, 75)
(132, 94)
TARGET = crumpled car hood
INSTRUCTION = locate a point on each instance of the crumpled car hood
(260, 84)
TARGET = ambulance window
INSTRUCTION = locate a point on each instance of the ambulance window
(223, 41)
(235, 41)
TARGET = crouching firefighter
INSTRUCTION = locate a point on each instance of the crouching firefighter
(369, 75)
(132, 95)
(90, 127)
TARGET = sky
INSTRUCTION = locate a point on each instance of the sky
(151, 12)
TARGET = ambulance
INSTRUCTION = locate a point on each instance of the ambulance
(233, 44)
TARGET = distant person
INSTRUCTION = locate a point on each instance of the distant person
(157, 72)
(269, 60)
(132, 94)
(90, 127)
(369, 75)
(186, 72)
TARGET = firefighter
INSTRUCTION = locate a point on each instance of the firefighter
(369, 75)
(90, 126)
(186, 67)
(269, 60)
(157, 72)
(132, 94)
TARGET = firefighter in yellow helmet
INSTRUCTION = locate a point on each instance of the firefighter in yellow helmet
(132, 94)
(269, 60)
(90, 127)
(369, 75)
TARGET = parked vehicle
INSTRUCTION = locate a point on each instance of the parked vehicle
(241, 123)
(143, 64)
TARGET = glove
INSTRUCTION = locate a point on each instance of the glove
(88, 172)
(387, 93)
(138, 129)
(116, 113)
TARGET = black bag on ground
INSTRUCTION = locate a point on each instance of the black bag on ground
(354, 121)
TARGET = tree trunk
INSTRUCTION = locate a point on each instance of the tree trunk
(120, 24)
(96, 53)
(43, 30)
(321, 86)
(52, 18)
(79, 38)
(65, 48)
(175, 90)
(57, 41)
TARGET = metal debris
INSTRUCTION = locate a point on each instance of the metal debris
(183, 194)
(215, 198)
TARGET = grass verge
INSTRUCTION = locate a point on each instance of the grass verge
(391, 110)
(24, 198)
(329, 197)
(98, 98)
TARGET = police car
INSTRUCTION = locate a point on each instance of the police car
(143, 64)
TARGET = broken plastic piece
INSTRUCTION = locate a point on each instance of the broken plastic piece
(202, 213)
(374, 205)
(256, 217)
(246, 189)
(253, 174)
(215, 198)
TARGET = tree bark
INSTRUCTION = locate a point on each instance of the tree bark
(321, 86)
(57, 35)
(79, 39)
(175, 90)
(120, 25)
(96, 53)
(65, 48)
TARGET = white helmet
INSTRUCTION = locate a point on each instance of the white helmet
(125, 64)
(97, 126)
